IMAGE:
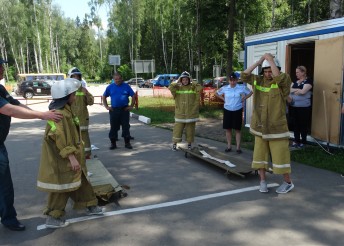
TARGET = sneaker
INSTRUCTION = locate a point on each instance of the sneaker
(52, 222)
(189, 147)
(263, 187)
(95, 210)
(285, 188)
(301, 146)
(174, 147)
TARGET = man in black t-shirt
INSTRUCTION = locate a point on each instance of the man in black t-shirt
(10, 107)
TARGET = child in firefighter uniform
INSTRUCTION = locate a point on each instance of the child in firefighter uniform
(269, 124)
(83, 99)
(62, 170)
(187, 97)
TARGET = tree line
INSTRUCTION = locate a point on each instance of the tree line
(36, 37)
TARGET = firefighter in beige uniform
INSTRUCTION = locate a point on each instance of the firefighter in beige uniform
(62, 170)
(79, 107)
(186, 95)
(269, 123)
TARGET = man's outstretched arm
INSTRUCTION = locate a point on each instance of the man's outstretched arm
(24, 113)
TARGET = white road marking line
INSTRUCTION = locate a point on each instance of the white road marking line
(162, 205)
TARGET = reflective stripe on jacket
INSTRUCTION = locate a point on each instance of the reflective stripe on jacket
(187, 99)
(269, 105)
(60, 140)
(79, 107)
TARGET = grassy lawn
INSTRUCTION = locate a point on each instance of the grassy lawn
(161, 110)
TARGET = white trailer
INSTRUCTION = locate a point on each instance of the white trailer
(320, 48)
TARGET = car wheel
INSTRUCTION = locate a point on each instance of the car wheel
(28, 94)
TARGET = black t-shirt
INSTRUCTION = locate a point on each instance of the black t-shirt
(300, 86)
(5, 121)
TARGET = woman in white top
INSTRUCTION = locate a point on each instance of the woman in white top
(234, 96)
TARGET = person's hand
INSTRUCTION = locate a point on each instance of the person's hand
(128, 108)
(289, 99)
(74, 163)
(52, 115)
(108, 108)
(268, 57)
(297, 92)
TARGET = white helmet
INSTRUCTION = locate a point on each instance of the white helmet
(72, 71)
(65, 87)
(266, 64)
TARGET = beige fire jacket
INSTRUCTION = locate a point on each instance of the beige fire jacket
(187, 99)
(79, 107)
(269, 105)
(60, 140)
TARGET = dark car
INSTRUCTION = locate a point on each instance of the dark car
(208, 83)
(132, 81)
(31, 88)
(146, 84)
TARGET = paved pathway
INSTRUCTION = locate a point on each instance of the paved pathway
(176, 200)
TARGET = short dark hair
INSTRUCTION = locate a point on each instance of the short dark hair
(117, 74)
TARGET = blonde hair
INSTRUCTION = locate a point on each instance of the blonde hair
(302, 69)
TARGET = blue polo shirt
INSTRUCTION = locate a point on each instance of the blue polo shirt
(119, 94)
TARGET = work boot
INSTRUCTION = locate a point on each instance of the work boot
(127, 143)
(113, 145)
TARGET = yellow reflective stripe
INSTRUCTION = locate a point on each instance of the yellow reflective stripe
(58, 187)
(186, 92)
(76, 120)
(265, 89)
(52, 125)
(79, 93)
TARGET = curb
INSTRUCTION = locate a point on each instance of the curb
(141, 118)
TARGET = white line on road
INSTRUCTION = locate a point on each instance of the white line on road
(162, 205)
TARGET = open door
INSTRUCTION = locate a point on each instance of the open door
(328, 79)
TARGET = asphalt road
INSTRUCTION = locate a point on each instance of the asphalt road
(192, 203)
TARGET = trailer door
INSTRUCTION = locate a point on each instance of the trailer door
(328, 79)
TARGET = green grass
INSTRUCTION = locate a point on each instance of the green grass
(158, 109)
(316, 157)
(161, 110)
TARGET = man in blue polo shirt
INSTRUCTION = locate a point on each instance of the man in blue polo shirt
(10, 107)
(119, 93)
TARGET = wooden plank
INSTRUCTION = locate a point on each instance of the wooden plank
(243, 166)
(100, 175)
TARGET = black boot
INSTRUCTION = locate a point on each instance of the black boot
(127, 143)
(113, 145)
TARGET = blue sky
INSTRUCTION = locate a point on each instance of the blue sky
(74, 8)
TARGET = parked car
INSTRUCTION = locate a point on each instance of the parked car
(164, 79)
(31, 88)
(208, 83)
(219, 82)
(146, 84)
(132, 81)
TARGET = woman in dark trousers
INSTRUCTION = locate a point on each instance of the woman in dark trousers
(300, 106)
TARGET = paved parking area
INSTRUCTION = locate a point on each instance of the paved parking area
(175, 200)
